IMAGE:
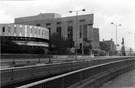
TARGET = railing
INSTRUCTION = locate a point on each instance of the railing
(17, 60)
(18, 74)
(96, 74)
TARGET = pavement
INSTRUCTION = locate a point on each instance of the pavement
(126, 80)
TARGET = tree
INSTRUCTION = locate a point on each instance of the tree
(58, 45)
(87, 49)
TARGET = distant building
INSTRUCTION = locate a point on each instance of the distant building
(104, 46)
(66, 27)
(28, 35)
(110, 46)
(95, 38)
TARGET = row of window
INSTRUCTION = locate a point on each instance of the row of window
(36, 32)
(59, 22)
(82, 29)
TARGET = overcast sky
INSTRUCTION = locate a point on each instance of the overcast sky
(105, 11)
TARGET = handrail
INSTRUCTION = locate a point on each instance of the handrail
(55, 63)
(56, 77)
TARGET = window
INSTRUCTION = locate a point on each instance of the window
(49, 31)
(42, 32)
(58, 23)
(25, 30)
(70, 36)
(80, 32)
(35, 32)
(85, 32)
(30, 29)
(58, 30)
(48, 24)
(70, 22)
(20, 30)
(80, 45)
(15, 31)
(3, 29)
(82, 20)
(9, 28)
(38, 25)
(70, 33)
(39, 31)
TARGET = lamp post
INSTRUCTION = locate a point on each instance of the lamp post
(116, 26)
(76, 11)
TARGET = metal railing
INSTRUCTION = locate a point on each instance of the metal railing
(75, 78)
(18, 74)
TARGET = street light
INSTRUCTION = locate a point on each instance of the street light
(116, 25)
(76, 11)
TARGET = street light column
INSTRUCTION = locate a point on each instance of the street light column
(116, 26)
(76, 30)
(82, 40)
(116, 36)
(76, 33)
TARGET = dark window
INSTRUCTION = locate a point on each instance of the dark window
(38, 25)
(39, 31)
(80, 31)
(49, 31)
(70, 22)
(80, 45)
(48, 24)
(70, 36)
(58, 30)
(85, 32)
(90, 24)
(14, 29)
(58, 23)
(42, 32)
(82, 20)
(3, 29)
(70, 33)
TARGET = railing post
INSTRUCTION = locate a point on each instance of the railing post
(81, 77)
(62, 83)
(12, 75)
(33, 72)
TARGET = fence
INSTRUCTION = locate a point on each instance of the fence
(95, 75)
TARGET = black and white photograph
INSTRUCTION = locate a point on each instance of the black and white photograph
(67, 43)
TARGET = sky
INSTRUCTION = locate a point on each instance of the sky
(105, 11)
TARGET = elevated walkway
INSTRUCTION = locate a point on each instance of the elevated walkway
(90, 77)
(126, 80)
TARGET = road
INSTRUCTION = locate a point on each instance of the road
(6, 63)
(126, 80)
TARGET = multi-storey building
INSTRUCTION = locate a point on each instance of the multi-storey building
(29, 35)
(77, 29)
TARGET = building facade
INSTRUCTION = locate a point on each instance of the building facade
(29, 35)
(79, 30)
(110, 46)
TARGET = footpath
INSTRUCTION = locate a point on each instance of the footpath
(126, 80)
